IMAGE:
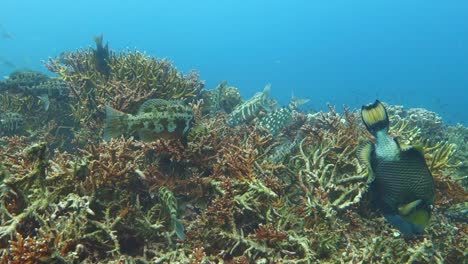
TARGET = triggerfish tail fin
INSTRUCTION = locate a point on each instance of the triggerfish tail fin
(375, 117)
(419, 218)
(411, 220)
(115, 123)
(403, 225)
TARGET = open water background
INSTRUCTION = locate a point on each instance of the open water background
(408, 52)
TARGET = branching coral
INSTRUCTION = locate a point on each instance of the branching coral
(134, 78)
(458, 135)
(326, 164)
(28, 251)
(224, 194)
(223, 98)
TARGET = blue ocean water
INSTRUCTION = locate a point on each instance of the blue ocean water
(411, 53)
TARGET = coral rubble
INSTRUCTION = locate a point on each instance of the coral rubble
(230, 192)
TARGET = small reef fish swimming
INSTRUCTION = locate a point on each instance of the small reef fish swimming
(402, 187)
(278, 119)
(156, 118)
(101, 56)
(248, 110)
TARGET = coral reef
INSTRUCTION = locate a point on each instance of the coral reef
(225, 194)
(100, 77)
(223, 98)
(458, 136)
(429, 123)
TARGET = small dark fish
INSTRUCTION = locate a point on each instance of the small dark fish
(101, 56)
(156, 118)
(403, 187)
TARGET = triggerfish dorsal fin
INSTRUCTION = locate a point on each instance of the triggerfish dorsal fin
(149, 105)
(375, 117)
(408, 208)
(115, 123)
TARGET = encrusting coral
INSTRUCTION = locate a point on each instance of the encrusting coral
(227, 194)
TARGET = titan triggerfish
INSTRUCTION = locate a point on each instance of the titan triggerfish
(402, 186)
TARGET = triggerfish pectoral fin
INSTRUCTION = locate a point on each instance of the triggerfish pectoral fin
(409, 207)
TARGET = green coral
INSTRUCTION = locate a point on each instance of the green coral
(133, 78)
(225, 195)
(19, 79)
(223, 98)
(458, 136)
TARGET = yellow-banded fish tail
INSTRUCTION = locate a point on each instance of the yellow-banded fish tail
(375, 117)
(411, 218)
(411, 225)
(116, 123)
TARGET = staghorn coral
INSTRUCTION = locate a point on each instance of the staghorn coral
(458, 136)
(22, 79)
(28, 251)
(225, 195)
(10, 123)
(223, 98)
(429, 123)
(133, 78)
(326, 163)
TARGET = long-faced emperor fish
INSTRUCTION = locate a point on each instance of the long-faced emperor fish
(247, 111)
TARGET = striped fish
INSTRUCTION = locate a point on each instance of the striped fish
(280, 118)
(248, 110)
